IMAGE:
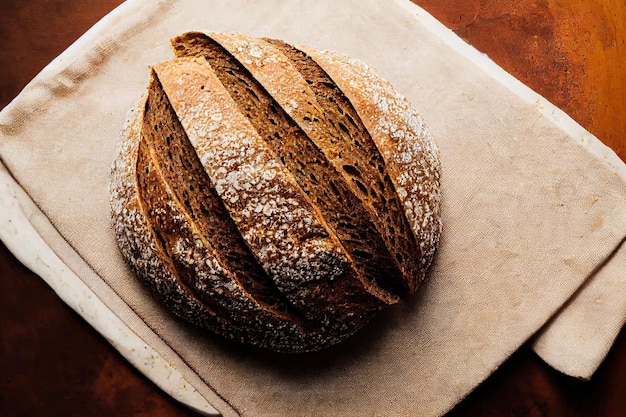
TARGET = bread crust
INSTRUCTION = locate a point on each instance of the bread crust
(276, 218)
(146, 255)
(135, 237)
(350, 151)
(322, 297)
(405, 142)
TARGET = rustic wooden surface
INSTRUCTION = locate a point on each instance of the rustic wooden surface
(52, 363)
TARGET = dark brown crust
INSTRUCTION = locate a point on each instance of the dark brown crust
(311, 246)
(200, 206)
(136, 238)
(202, 262)
(363, 167)
(312, 272)
(340, 203)
(145, 246)
(410, 153)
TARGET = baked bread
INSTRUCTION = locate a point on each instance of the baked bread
(278, 196)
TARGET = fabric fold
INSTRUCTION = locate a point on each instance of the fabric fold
(579, 337)
(22, 226)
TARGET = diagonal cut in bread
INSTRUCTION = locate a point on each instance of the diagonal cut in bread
(265, 201)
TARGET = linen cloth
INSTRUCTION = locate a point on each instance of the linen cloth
(532, 221)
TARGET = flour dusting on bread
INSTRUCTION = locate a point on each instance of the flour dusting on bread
(277, 196)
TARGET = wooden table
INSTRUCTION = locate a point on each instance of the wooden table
(573, 53)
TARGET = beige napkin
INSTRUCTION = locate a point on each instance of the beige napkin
(579, 337)
(532, 219)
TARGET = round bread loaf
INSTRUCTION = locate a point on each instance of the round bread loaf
(275, 195)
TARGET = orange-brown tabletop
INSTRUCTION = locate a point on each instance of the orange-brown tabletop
(53, 363)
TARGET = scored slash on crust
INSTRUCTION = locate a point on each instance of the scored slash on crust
(259, 198)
